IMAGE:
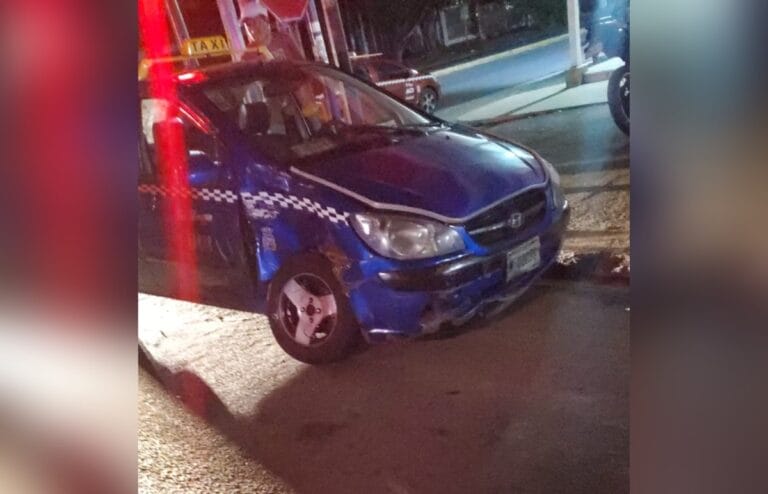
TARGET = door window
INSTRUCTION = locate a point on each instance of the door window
(198, 136)
(362, 71)
(390, 70)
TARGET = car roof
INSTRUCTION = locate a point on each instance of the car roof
(232, 71)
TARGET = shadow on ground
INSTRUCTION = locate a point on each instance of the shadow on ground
(534, 401)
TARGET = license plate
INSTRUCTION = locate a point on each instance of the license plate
(524, 258)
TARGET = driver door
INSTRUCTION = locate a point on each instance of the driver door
(199, 218)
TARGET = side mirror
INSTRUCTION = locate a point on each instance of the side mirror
(203, 151)
(413, 72)
(199, 159)
(204, 166)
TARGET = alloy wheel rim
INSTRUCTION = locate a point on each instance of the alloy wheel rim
(307, 311)
(428, 102)
(624, 91)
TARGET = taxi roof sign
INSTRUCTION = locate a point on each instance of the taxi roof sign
(208, 45)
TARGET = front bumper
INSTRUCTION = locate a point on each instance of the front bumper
(406, 303)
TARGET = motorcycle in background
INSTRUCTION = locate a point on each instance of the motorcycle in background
(618, 84)
(608, 33)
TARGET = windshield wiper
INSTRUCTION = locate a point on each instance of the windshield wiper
(424, 125)
(377, 129)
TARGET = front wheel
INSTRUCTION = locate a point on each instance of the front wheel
(309, 313)
(428, 100)
(618, 97)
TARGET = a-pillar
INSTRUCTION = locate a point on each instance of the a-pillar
(333, 32)
(232, 27)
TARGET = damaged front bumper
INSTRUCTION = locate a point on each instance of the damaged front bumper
(407, 303)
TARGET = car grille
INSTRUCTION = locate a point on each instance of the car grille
(494, 225)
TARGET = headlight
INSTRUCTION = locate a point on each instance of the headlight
(558, 197)
(402, 237)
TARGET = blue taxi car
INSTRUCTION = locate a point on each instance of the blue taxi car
(337, 209)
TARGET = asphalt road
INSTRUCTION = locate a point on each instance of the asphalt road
(476, 81)
(574, 140)
(535, 400)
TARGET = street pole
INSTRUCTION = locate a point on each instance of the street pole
(574, 75)
(361, 31)
(232, 28)
(333, 32)
(318, 40)
(179, 27)
(177, 21)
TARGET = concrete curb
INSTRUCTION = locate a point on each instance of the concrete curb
(497, 56)
(592, 77)
(519, 116)
(598, 267)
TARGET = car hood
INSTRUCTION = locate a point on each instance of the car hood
(451, 173)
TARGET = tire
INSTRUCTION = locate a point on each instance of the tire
(618, 97)
(308, 325)
(428, 100)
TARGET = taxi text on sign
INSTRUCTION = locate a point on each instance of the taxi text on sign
(205, 46)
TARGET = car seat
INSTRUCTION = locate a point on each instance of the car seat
(255, 121)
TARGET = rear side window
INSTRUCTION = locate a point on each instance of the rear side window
(151, 111)
(389, 70)
(156, 111)
(362, 71)
(146, 166)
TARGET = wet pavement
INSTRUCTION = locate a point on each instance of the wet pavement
(534, 400)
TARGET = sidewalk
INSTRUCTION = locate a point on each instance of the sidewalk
(536, 97)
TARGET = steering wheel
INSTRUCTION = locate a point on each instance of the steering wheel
(332, 128)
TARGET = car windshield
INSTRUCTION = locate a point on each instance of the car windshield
(314, 111)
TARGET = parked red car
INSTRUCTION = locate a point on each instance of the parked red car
(420, 90)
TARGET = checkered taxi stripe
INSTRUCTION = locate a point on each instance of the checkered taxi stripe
(297, 203)
(252, 201)
(215, 195)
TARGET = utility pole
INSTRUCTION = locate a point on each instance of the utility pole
(333, 32)
(232, 28)
(318, 42)
(575, 73)
(177, 21)
(179, 26)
